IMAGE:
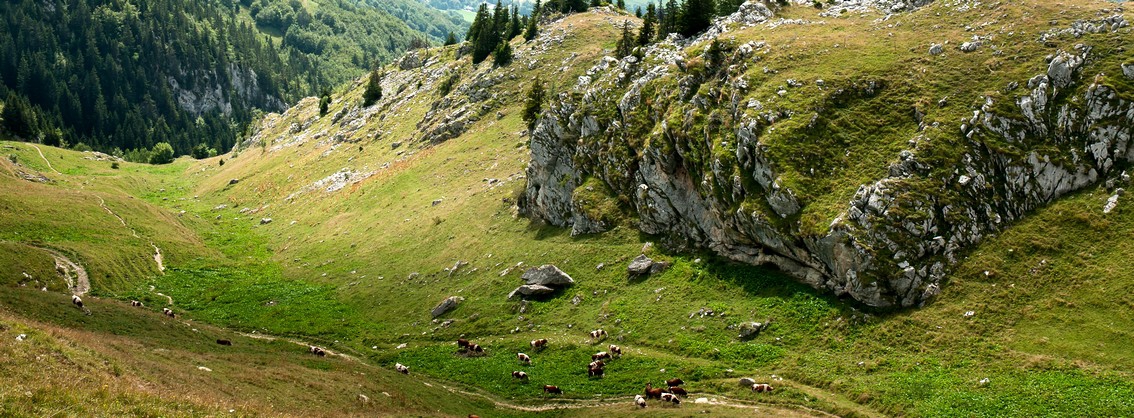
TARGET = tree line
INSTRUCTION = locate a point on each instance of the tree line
(121, 76)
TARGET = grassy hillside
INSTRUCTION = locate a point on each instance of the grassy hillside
(358, 268)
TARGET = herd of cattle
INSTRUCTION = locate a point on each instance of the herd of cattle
(670, 393)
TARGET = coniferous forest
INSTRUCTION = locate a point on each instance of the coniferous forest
(123, 75)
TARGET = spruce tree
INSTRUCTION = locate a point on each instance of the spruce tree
(696, 16)
(373, 91)
(621, 4)
(596, 3)
(451, 39)
(626, 42)
(638, 12)
(515, 28)
(502, 56)
(533, 23)
(487, 36)
(646, 34)
(534, 104)
(479, 21)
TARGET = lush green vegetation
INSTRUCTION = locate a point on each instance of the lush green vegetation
(123, 75)
(358, 269)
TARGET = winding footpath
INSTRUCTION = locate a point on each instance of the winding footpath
(45, 159)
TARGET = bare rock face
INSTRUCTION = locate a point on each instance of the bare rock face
(893, 242)
(446, 305)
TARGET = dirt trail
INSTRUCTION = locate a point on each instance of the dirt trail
(157, 251)
(162, 295)
(45, 159)
(73, 273)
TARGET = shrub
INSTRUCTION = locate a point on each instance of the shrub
(162, 153)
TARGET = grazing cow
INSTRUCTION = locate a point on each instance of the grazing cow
(675, 382)
(669, 397)
(168, 312)
(519, 375)
(614, 349)
(476, 348)
(136, 303)
(539, 344)
(401, 368)
(524, 358)
(652, 392)
(552, 389)
(75, 300)
(678, 390)
(761, 387)
(600, 355)
(224, 342)
(598, 334)
(462, 343)
(317, 351)
(640, 401)
(596, 368)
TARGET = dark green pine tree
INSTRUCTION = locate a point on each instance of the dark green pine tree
(646, 34)
(515, 27)
(451, 39)
(667, 17)
(533, 23)
(577, 6)
(502, 56)
(373, 91)
(696, 16)
(18, 117)
(534, 104)
(621, 4)
(500, 17)
(727, 7)
(480, 20)
(626, 42)
(638, 12)
(487, 36)
(596, 3)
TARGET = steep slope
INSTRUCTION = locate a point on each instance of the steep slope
(861, 167)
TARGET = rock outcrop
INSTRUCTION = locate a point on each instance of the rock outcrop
(893, 242)
(446, 305)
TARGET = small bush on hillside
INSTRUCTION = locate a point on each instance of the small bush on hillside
(162, 153)
(447, 85)
(202, 151)
(114, 165)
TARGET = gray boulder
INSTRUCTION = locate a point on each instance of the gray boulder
(970, 46)
(642, 265)
(750, 330)
(265, 221)
(531, 290)
(447, 305)
(547, 275)
(1128, 71)
(936, 49)
(747, 382)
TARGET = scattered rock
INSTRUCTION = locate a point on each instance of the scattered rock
(437, 202)
(233, 181)
(21, 337)
(265, 221)
(401, 346)
(704, 400)
(1128, 71)
(747, 382)
(204, 369)
(363, 398)
(970, 46)
(970, 314)
(446, 305)
(547, 275)
(531, 290)
(1111, 203)
(642, 265)
(935, 49)
(750, 330)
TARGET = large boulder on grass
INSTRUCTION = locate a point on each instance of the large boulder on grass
(547, 275)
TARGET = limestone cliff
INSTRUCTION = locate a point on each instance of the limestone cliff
(690, 146)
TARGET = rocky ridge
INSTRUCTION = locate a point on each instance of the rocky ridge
(893, 243)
